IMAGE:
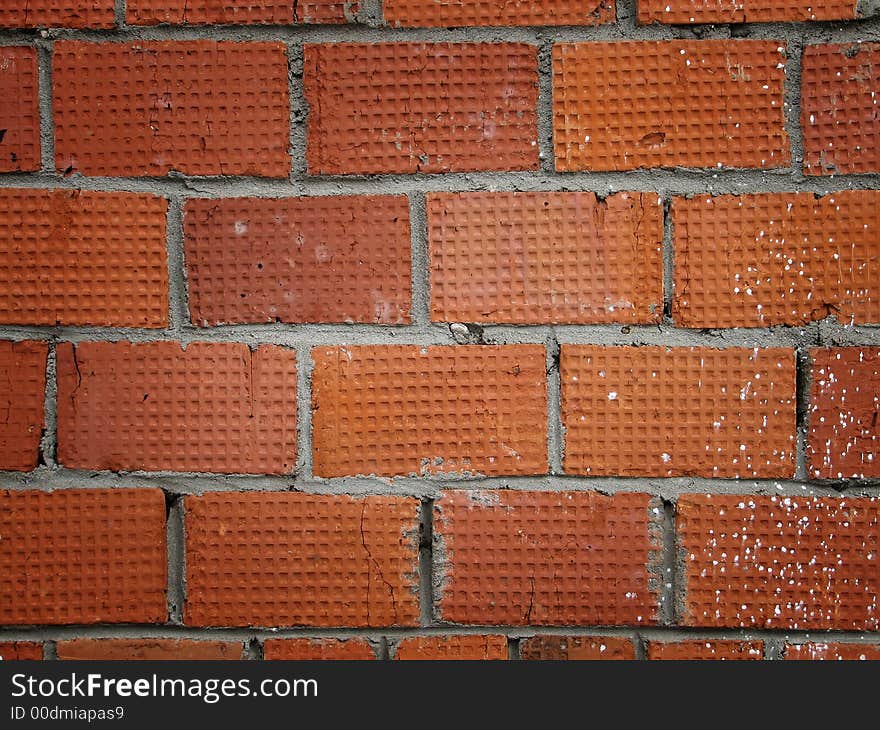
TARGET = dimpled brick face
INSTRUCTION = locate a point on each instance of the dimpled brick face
(405, 410)
(844, 435)
(780, 562)
(317, 649)
(697, 104)
(585, 648)
(769, 259)
(20, 651)
(312, 561)
(453, 648)
(685, 12)
(19, 112)
(430, 13)
(535, 258)
(706, 650)
(57, 13)
(22, 394)
(540, 558)
(683, 411)
(204, 12)
(148, 649)
(832, 651)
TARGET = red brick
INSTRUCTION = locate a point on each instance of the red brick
(474, 648)
(421, 107)
(433, 14)
(705, 649)
(55, 14)
(682, 411)
(148, 649)
(288, 559)
(844, 437)
(75, 257)
(776, 258)
(715, 103)
(82, 556)
(21, 651)
(150, 107)
(780, 562)
(840, 108)
(19, 112)
(240, 12)
(22, 395)
(832, 651)
(214, 407)
(547, 558)
(405, 410)
(589, 648)
(684, 12)
(318, 649)
(546, 258)
(315, 259)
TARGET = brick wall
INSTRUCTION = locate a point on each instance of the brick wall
(529, 330)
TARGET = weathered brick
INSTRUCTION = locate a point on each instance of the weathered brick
(82, 556)
(421, 107)
(213, 407)
(685, 12)
(705, 649)
(832, 651)
(458, 647)
(776, 258)
(148, 649)
(152, 107)
(545, 258)
(318, 649)
(19, 112)
(405, 410)
(57, 14)
(22, 395)
(430, 13)
(844, 436)
(240, 12)
(780, 562)
(682, 411)
(547, 558)
(305, 559)
(715, 103)
(21, 651)
(589, 648)
(315, 259)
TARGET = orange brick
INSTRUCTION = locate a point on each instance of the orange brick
(457, 648)
(715, 103)
(75, 257)
(315, 259)
(840, 108)
(780, 562)
(22, 395)
(206, 12)
(55, 14)
(318, 649)
(405, 410)
(82, 556)
(844, 436)
(832, 651)
(305, 559)
(684, 12)
(433, 14)
(545, 258)
(21, 651)
(150, 107)
(214, 407)
(148, 649)
(589, 648)
(705, 649)
(547, 558)
(421, 107)
(776, 258)
(683, 411)
(19, 112)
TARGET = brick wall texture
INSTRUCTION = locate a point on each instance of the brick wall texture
(418, 330)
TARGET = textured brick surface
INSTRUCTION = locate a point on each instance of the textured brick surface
(316, 259)
(306, 559)
(150, 107)
(832, 651)
(214, 407)
(431, 13)
(776, 258)
(586, 648)
(400, 410)
(844, 436)
(709, 649)
(534, 258)
(76, 257)
(318, 649)
(840, 108)
(148, 649)
(22, 395)
(57, 13)
(489, 647)
(694, 411)
(82, 556)
(697, 104)
(684, 12)
(421, 107)
(533, 558)
(204, 12)
(19, 112)
(20, 650)
(781, 562)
